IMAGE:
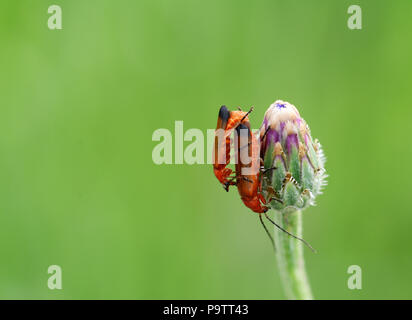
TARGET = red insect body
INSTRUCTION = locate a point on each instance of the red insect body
(227, 121)
(249, 185)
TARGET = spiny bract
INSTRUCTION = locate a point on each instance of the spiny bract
(298, 173)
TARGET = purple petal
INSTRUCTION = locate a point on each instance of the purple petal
(292, 140)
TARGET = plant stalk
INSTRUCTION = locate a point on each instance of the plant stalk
(289, 254)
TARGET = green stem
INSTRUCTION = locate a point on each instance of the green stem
(289, 254)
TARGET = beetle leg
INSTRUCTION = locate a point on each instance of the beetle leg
(263, 171)
(246, 145)
(276, 199)
(247, 179)
(230, 182)
(273, 195)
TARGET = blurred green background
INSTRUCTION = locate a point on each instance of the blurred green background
(79, 106)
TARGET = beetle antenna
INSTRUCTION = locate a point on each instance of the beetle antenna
(292, 235)
(266, 132)
(247, 113)
(267, 232)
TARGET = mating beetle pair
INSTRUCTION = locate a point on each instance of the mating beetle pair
(249, 184)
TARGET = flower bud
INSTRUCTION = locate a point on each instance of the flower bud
(294, 174)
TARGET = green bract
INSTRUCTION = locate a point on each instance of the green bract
(297, 161)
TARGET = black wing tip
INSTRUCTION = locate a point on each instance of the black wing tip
(242, 127)
(224, 113)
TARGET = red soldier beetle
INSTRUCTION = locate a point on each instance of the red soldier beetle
(227, 121)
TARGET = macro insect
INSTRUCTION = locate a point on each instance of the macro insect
(227, 121)
(249, 170)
